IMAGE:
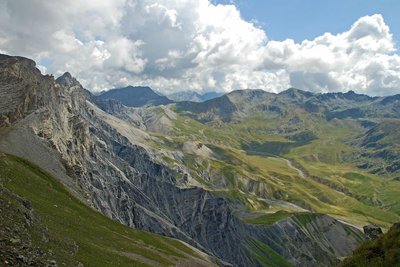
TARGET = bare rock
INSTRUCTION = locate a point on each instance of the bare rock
(372, 231)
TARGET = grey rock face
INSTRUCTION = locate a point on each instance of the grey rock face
(372, 231)
(21, 88)
(125, 182)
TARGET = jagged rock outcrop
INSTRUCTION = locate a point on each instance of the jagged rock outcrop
(22, 88)
(372, 231)
(124, 180)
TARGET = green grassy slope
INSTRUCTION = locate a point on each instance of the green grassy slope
(67, 231)
(260, 252)
(268, 219)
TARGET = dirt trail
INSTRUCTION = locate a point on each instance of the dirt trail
(288, 162)
(290, 165)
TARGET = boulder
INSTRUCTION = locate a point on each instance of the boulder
(372, 231)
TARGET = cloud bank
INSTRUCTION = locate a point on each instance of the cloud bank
(176, 45)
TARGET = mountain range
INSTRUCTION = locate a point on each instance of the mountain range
(249, 178)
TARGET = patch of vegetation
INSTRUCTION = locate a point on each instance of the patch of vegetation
(383, 251)
(268, 219)
(305, 137)
(305, 218)
(270, 148)
(348, 113)
(266, 255)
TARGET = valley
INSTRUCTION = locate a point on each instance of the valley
(278, 167)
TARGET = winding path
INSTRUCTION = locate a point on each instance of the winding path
(288, 162)
(290, 165)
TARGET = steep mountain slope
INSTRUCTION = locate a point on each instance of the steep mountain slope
(48, 226)
(135, 96)
(127, 174)
(380, 148)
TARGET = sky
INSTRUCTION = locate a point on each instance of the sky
(210, 45)
(308, 19)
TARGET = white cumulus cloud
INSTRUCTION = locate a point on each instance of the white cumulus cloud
(174, 45)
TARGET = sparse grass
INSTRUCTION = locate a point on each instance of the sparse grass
(305, 218)
(268, 219)
(266, 255)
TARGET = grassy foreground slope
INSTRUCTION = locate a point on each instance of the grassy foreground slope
(42, 222)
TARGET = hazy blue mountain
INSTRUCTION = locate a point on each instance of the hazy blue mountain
(135, 96)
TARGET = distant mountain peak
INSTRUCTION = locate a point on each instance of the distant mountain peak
(350, 95)
(296, 93)
(135, 96)
(391, 99)
(351, 92)
(355, 96)
(131, 87)
(249, 92)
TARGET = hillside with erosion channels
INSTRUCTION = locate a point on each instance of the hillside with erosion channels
(249, 178)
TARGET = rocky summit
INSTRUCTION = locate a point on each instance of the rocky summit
(249, 178)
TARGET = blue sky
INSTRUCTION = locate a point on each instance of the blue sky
(307, 19)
